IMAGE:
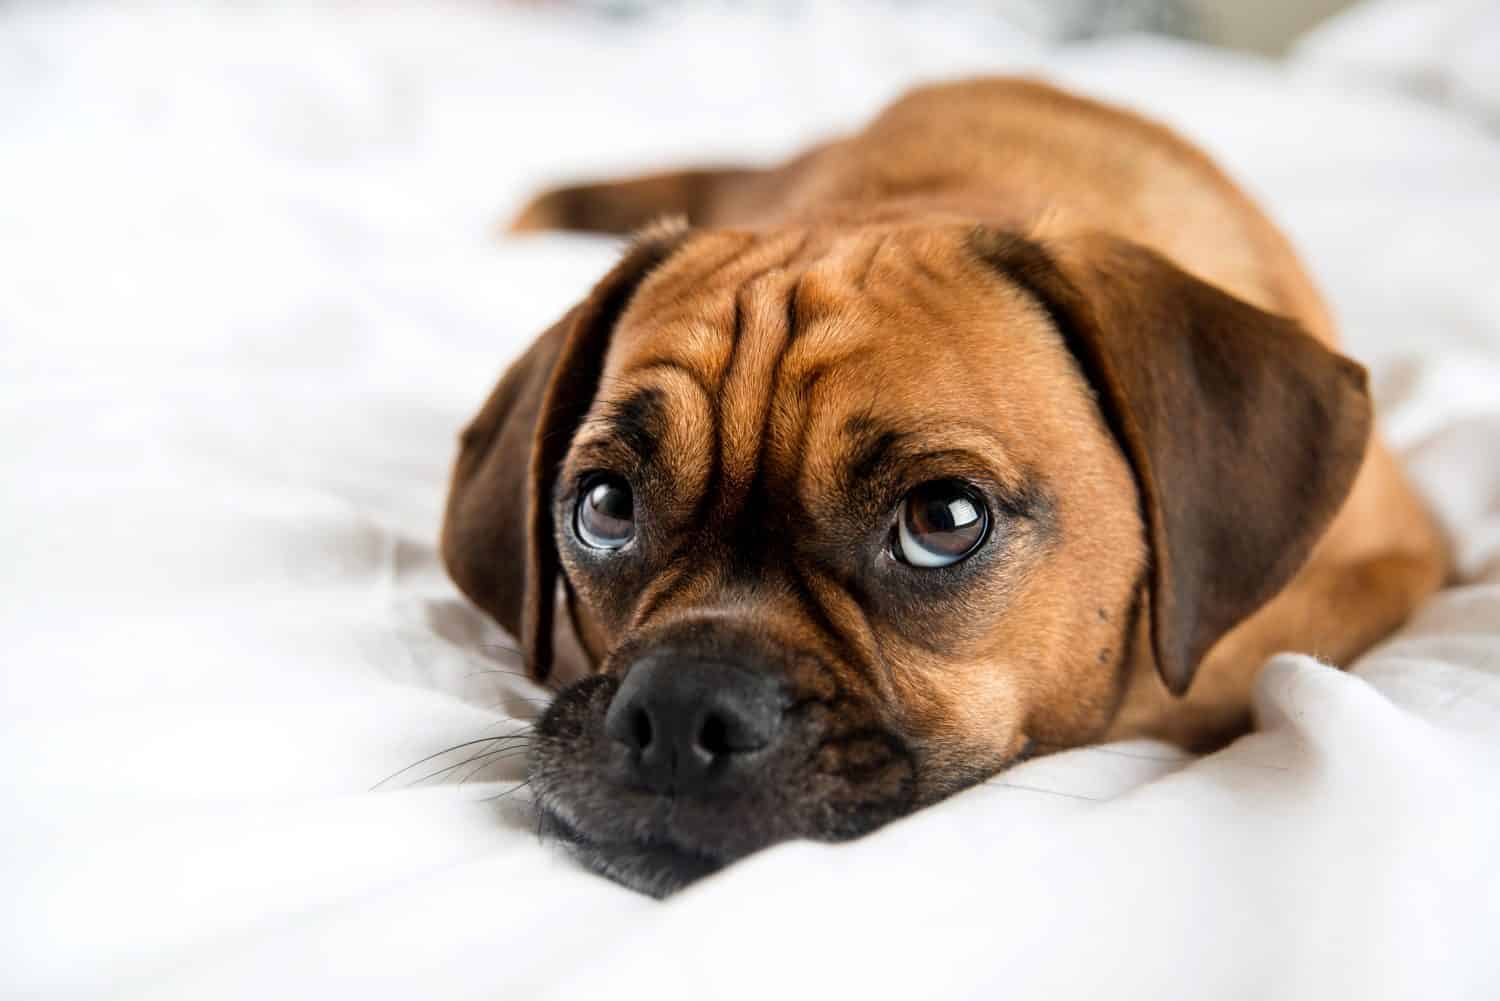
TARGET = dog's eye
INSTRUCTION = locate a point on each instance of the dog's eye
(605, 516)
(940, 523)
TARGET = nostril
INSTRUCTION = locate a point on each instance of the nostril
(640, 729)
(713, 735)
(676, 723)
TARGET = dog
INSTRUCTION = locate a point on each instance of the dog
(1006, 425)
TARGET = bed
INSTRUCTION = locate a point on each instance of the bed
(250, 287)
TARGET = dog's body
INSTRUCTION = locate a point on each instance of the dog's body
(1046, 316)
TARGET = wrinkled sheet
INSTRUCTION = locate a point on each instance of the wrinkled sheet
(250, 287)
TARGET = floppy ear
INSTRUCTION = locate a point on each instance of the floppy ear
(1244, 433)
(498, 540)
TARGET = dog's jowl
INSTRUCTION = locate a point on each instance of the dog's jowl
(1003, 426)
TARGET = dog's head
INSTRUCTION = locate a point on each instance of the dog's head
(847, 522)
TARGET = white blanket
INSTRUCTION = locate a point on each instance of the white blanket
(250, 289)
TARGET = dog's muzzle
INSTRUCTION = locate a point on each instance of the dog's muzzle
(691, 726)
(699, 753)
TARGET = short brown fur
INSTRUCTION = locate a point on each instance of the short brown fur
(1067, 293)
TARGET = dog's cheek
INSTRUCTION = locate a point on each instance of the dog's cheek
(963, 717)
(592, 635)
(601, 593)
(841, 771)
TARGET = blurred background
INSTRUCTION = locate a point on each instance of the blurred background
(1266, 27)
(251, 287)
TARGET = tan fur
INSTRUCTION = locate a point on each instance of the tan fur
(864, 241)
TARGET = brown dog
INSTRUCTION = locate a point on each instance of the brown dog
(985, 432)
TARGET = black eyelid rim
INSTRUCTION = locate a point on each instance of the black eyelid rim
(581, 484)
(985, 507)
(590, 478)
(568, 490)
(567, 498)
(998, 498)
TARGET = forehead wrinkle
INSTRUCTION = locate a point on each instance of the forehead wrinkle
(847, 327)
(861, 258)
(689, 301)
(668, 368)
(894, 292)
(816, 472)
(746, 393)
(818, 358)
(923, 267)
(679, 279)
(838, 279)
(826, 336)
(723, 328)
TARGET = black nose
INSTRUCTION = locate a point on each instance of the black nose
(687, 721)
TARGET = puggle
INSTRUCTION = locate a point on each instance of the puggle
(1006, 425)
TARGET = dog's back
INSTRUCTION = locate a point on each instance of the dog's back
(1013, 153)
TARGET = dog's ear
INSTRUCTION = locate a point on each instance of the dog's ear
(1244, 433)
(498, 540)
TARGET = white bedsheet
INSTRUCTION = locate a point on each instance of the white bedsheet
(249, 289)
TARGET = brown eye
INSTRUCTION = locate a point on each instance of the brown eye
(940, 523)
(605, 516)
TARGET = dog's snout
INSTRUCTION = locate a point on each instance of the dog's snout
(684, 720)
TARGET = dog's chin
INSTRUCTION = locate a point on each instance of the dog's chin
(656, 868)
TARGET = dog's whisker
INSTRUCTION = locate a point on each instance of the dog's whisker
(513, 674)
(516, 788)
(1165, 759)
(519, 736)
(493, 759)
(525, 731)
(994, 784)
(1185, 759)
(1256, 764)
(459, 764)
(503, 655)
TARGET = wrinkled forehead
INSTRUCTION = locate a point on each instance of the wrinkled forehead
(834, 338)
